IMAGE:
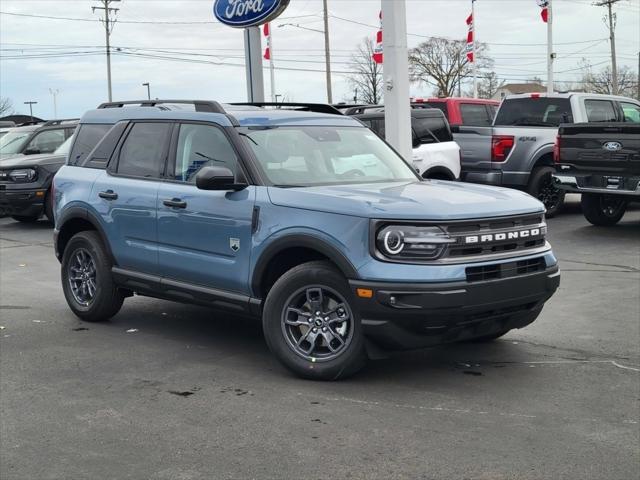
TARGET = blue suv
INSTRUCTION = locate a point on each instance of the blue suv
(299, 216)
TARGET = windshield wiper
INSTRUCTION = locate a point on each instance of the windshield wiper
(245, 135)
(209, 158)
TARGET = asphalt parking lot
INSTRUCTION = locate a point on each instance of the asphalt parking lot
(168, 391)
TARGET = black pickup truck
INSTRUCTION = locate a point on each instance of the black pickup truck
(602, 162)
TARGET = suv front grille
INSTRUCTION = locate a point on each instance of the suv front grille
(505, 270)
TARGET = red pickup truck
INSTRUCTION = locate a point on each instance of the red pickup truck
(463, 111)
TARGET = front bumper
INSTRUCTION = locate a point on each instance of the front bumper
(21, 202)
(609, 185)
(404, 316)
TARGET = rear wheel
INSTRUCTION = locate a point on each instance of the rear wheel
(86, 278)
(26, 218)
(603, 210)
(310, 323)
(542, 187)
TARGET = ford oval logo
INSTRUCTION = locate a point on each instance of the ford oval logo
(248, 13)
(612, 146)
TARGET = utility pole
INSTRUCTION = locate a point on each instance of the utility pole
(108, 28)
(31, 104)
(550, 55)
(146, 84)
(611, 19)
(327, 52)
(54, 93)
(475, 58)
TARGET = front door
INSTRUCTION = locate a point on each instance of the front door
(204, 236)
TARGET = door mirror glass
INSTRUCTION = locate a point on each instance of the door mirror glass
(217, 178)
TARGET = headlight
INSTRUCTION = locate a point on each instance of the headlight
(24, 175)
(407, 242)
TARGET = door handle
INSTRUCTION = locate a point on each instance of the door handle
(108, 195)
(175, 203)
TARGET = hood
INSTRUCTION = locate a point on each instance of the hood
(427, 200)
(24, 161)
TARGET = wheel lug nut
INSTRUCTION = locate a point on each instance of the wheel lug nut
(318, 313)
(315, 330)
(324, 329)
(310, 321)
(326, 319)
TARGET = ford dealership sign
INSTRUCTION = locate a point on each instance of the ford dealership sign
(248, 13)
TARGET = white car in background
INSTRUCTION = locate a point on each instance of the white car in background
(435, 154)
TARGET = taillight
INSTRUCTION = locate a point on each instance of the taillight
(556, 150)
(501, 145)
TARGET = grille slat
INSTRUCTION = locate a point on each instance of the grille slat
(505, 270)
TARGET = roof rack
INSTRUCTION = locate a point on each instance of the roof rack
(199, 105)
(358, 109)
(307, 107)
(48, 123)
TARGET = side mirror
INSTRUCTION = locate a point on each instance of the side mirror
(31, 151)
(217, 178)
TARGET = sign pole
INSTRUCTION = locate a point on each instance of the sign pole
(475, 57)
(253, 62)
(550, 54)
(397, 111)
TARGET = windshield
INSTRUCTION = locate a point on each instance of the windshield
(306, 156)
(13, 142)
(535, 112)
(65, 147)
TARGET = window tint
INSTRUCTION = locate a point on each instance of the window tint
(631, 112)
(202, 146)
(535, 112)
(142, 154)
(47, 141)
(87, 137)
(428, 128)
(442, 106)
(600, 111)
(474, 114)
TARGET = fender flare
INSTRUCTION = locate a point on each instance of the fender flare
(82, 213)
(304, 241)
(439, 169)
(543, 151)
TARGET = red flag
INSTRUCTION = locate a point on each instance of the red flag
(266, 29)
(377, 49)
(544, 13)
(470, 39)
(267, 54)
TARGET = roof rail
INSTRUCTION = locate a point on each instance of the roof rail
(307, 107)
(48, 123)
(200, 105)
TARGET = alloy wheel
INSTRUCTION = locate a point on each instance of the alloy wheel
(82, 277)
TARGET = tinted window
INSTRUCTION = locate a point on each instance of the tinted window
(142, 154)
(87, 137)
(47, 141)
(442, 106)
(493, 109)
(428, 128)
(474, 114)
(600, 111)
(631, 112)
(535, 112)
(202, 146)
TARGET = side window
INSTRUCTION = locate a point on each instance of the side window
(142, 154)
(631, 112)
(492, 110)
(87, 137)
(600, 111)
(202, 146)
(474, 114)
(428, 128)
(47, 141)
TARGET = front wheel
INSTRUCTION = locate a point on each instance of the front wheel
(310, 323)
(542, 187)
(86, 278)
(603, 210)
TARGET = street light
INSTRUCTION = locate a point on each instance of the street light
(148, 89)
(31, 104)
(54, 93)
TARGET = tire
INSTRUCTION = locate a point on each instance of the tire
(542, 187)
(26, 219)
(338, 353)
(106, 300)
(48, 206)
(602, 210)
(438, 176)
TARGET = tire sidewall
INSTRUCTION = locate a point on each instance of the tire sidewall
(535, 185)
(593, 211)
(311, 274)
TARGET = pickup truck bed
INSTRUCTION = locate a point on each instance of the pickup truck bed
(601, 161)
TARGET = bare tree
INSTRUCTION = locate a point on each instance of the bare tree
(6, 106)
(602, 81)
(367, 76)
(489, 85)
(443, 63)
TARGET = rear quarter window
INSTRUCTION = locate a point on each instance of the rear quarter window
(534, 112)
(426, 128)
(87, 137)
(475, 114)
(442, 106)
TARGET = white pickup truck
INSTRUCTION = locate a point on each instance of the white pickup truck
(517, 151)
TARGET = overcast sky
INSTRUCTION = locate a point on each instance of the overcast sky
(149, 28)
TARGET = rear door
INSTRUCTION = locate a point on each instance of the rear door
(204, 236)
(435, 146)
(126, 194)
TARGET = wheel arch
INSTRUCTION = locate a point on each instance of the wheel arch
(440, 171)
(290, 251)
(75, 220)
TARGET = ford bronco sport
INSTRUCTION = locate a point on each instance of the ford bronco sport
(298, 216)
